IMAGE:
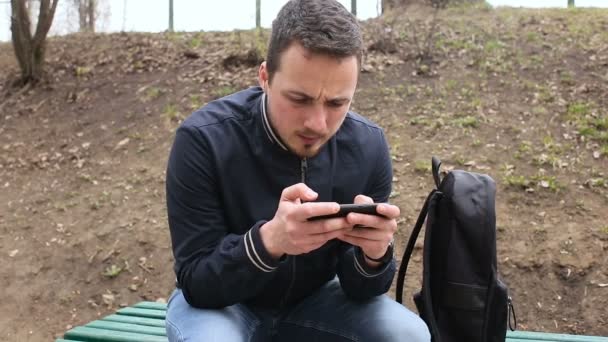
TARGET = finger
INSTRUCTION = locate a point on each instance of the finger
(356, 241)
(327, 226)
(362, 199)
(372, 221)
(320, 239)
(370, 234)
(307, 210)
(388, 210)
(298, 191)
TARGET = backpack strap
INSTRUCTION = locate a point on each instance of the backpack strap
(436, 164)
(427, 300)
(410, 247)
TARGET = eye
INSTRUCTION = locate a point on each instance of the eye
(299, 100)
(335, 104)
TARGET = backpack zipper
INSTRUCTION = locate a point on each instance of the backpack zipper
(511, 313)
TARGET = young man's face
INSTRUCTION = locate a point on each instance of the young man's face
(309, 97)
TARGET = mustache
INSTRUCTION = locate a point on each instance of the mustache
(311, 134)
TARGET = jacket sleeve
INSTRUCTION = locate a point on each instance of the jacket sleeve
(214, 267)
(358, 280)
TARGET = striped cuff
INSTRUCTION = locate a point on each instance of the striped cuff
(256, 251)
(362, 267)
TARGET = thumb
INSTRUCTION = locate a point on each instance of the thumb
(298, 191)
(362, 199)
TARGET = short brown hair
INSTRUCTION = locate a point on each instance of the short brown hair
(320, 26)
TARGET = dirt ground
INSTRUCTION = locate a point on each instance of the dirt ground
(518, 94)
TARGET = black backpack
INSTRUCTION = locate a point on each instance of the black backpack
(462, 299)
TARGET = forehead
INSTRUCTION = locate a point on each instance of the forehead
(295, 48)
(310, 70)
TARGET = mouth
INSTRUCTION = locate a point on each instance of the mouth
(309, 139)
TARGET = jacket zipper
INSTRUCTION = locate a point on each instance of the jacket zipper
(303, 168)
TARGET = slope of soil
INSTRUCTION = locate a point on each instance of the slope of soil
(517, 94)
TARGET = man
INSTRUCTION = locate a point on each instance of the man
(247, 171)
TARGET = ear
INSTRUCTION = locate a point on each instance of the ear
(263, 76)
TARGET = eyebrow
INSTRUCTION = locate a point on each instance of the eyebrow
(308, 97)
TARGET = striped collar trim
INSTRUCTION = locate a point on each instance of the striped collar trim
(267, 128)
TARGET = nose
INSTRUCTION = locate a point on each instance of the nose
(316, 120)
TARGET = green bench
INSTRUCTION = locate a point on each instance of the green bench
(145, 322)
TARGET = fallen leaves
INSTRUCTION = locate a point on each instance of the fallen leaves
(121, 144)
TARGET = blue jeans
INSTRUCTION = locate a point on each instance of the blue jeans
(326, 315)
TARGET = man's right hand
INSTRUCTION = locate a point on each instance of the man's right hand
(290, 233)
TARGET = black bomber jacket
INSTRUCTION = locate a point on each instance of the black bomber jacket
(225, 175)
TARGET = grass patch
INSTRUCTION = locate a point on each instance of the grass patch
(153, 93)
(450, 85)
(534, 182)
(467, 121)
(598, 182)
(516, 181)
(547, 182)
(224, 91)
(172, 113)
(195, 101)
(577, 110)
(589, 123)
(548, 159)
(532, 37)
(567, 78)
(420, 120)
(551, 146)
(422, 166)
(493, 45)
(82, 71)
(196, 41)
(525, 147)
(112, 271)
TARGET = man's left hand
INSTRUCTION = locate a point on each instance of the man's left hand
(372, 233)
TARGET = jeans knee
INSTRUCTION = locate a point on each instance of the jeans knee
(173, 332)
(186, 323)
(416, 331)
(411, 330)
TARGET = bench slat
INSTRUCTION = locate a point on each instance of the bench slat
(525, 340)
(128, 327)
(151, 322)
(101, 335)
(151, 305)
(538, 336)
(131, 311)
(145, 322)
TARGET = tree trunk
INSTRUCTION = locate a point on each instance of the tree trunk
(387, 5)
(353, 7)
(124, 15)
(30, 49)
(87, 10)
(92, 6)
(82, 15)
(258, 13)
(170, 15)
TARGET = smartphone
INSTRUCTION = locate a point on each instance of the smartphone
(369, 209)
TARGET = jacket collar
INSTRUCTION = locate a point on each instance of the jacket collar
(270, 133)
